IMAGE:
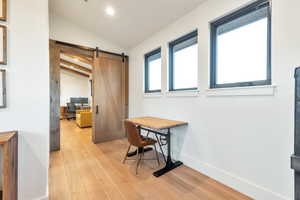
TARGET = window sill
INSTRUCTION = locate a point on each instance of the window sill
(153, 95)
(183, 93)
(265, 90)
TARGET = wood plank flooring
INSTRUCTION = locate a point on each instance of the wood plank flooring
(85, 171)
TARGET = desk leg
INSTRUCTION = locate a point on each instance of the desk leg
(170, 165)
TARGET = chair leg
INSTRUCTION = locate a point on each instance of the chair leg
(126, 154)
(143, 154)
(156, 154)
(138, 161)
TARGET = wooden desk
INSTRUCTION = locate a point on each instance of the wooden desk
(155, 125)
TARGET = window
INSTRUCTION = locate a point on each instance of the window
(183, 71)
(153, 71)
(241, 47)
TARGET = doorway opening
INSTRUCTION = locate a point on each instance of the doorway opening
(88, 91)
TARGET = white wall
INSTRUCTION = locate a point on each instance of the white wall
(73, 85)
(28, 93)
(64, 30)
(242, 141)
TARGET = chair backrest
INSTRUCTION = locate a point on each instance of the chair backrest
(133, 134)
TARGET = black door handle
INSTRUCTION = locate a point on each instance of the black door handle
(97, 109)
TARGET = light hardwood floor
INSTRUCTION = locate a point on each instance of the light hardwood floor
(85, 171)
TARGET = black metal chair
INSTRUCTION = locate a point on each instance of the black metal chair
(71, 111)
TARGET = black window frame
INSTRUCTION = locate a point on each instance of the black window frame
(171, 58)
(213, 28)
(146, 58)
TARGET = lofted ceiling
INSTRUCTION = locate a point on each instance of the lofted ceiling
(74, 64)
(134, 20)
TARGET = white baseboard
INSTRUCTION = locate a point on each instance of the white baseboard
(43, 198)
(242, 185)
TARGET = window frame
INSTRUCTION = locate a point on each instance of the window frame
(213, 42)
(171, 59)
(146, 79)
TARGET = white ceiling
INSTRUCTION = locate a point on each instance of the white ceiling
(134, 21)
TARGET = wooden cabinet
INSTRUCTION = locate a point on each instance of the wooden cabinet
(9, 165)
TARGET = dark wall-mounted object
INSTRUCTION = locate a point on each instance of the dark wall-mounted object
(97, 49)
(79, 100)
(3, 88)
(295, 159)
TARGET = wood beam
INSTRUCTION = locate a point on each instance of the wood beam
(80, 58)
(65, 62)
(74, 71)
(76, 51)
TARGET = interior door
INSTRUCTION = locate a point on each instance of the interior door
(110, 96)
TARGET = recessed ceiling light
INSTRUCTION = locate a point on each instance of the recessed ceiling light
(110, 11)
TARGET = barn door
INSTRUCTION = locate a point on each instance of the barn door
(110, 96)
